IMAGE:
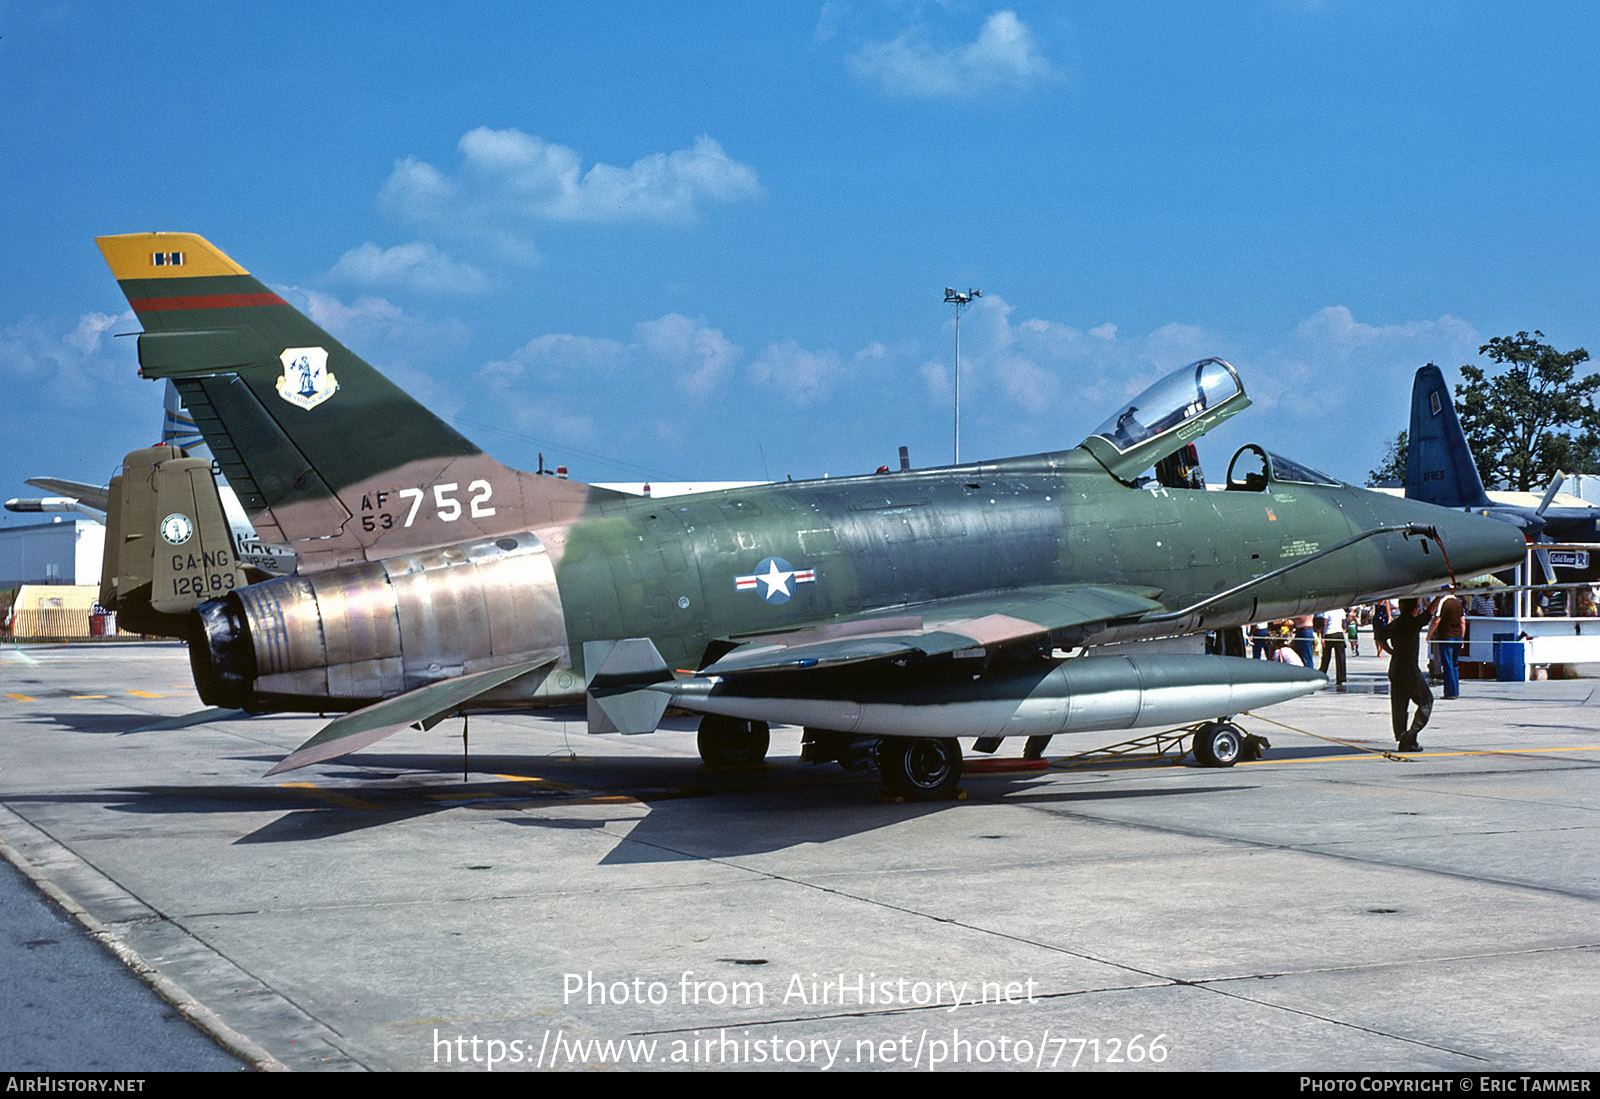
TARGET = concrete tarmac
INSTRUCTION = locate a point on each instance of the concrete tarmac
(605, 901)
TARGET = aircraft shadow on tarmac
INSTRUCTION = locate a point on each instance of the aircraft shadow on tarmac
(775, 806)
(120, 724)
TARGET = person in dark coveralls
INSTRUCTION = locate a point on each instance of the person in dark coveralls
(1407, 683)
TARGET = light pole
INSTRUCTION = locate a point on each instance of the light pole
(953, 297)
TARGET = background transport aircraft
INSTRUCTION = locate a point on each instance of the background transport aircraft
(76, 496)
(887, 614)
(1440, 470)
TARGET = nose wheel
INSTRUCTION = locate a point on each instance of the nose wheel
(1221, 744)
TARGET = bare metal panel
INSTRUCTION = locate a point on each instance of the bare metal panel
(369, 630)
(358, 614)
(366, 679)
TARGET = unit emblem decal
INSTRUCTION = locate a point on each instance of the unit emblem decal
(306, 381)
(176, 528)
(775, 579)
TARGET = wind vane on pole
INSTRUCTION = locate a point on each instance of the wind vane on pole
(958, 299)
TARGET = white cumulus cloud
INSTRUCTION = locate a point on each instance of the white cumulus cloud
(701, 356)
(411, 349)
(415, 266)
(1310, 372)
(801, 376)
(69, 360)
(676, 349)
(1331, 390)
(1003, 56)
(508, 181)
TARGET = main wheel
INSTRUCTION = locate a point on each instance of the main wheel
(1218, 744)
(732, 741)
(920, 769)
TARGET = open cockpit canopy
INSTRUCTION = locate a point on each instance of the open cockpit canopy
(1170, 414)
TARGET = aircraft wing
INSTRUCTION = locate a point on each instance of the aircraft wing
(95, 496)
(1022, 615)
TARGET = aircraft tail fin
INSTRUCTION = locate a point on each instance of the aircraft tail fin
(167, 545)
(177, 426)
(324, 452)
(1439, 465)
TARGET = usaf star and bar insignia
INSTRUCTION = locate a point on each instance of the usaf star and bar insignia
(775, 579)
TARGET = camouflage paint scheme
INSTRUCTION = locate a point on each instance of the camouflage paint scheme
(424, 563)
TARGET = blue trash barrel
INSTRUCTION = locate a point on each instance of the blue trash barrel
(1508, 658)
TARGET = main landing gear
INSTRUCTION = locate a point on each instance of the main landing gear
(920, 768)
(912, 768)
(929, 768)
(732, 742)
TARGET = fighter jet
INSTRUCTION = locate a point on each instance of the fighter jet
(888, 614)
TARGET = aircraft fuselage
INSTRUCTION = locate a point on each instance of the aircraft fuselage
(866, 543)
(690, 572)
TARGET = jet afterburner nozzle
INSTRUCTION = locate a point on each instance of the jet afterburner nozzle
(346, 637)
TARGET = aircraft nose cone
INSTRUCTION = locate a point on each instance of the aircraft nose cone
(1476, 544)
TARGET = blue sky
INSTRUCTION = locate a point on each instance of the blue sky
(710, 241)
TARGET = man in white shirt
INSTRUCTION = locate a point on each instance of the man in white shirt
(1333, 642)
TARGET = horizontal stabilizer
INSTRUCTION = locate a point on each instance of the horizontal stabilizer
(372, 723)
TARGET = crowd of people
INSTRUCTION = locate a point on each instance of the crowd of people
(1333, 634)
(1400, 631)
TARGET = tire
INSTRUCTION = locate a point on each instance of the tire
(921, 768)
(732, 741)
(1218, 744)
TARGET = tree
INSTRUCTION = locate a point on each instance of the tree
(1392, 470)
(1534, 418)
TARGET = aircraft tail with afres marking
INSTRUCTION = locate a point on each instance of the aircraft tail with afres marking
(1439, 465)
(325, 452)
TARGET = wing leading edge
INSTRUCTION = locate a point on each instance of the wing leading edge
(1017, 617)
